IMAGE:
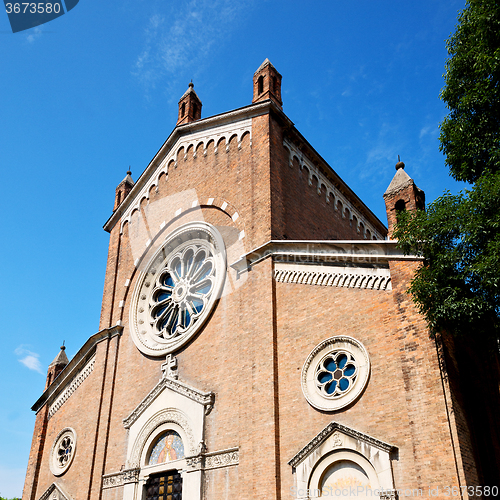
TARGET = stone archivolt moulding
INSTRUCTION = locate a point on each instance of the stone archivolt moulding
(55, 492)
(72, 386)
(170, 415)
(331, 190)
(216, 134)
(336, 276)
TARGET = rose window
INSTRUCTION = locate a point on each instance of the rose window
(182, 291)
(336, 374)
(63, 451)
(178, 289)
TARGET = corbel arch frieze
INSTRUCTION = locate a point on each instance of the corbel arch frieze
(169, 415)
(191, 142)
(318, 180)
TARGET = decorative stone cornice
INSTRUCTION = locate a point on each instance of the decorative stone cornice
(75, 366)
(120, 478)
(355, 253)
(336, 276)
(202, 461)
(330, 429)
(224, 458)
(207, 399)
(214, 460)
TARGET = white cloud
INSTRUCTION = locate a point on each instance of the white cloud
(183, 39)
(29, 359)
(36, 33)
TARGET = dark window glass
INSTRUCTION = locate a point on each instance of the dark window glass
(260, 84)
(164, 486)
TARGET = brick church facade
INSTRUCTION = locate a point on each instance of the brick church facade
(256, 339)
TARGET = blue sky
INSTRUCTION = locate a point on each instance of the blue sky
(96, 90)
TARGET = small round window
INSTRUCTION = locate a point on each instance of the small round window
(166, 448)
(335, 373)
(63, 451)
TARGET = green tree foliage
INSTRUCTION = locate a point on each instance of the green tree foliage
(470, 134)
(458, 287)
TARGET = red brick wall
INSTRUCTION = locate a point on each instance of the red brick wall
(252, 350)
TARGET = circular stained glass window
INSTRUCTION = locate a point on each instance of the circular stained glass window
(168, 447)
(335, 373)
(63, 451)
(178, 290)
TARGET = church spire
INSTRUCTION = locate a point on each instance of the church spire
(123, 189)
(267, 84)
(402, 194)
(57, 366)
(189, 106)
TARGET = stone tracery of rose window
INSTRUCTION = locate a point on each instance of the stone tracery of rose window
(181, 291)
(64, 451)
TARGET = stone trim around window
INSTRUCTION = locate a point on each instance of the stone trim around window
(178, 289)
(63, 451)
(335, 373)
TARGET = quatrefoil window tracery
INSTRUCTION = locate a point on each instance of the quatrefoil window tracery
(182, 291)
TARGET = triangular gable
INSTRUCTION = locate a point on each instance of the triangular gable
(339, 436)
(204, 398)
(55, 492)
